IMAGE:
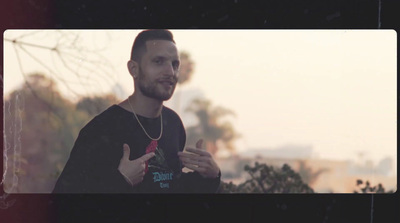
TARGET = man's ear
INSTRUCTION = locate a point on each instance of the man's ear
(133, 68)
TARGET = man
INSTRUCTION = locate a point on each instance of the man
(136, 146)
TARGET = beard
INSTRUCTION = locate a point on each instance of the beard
(152, 89)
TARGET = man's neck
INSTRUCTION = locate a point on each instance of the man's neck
(143, 106)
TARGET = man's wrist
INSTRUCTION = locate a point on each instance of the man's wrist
(127, 179)
(216, 177)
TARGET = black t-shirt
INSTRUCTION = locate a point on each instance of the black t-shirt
(93, 163)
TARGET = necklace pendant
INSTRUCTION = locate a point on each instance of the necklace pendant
(150, 148)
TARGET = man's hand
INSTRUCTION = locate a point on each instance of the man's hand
(199, 160)
(133, 170)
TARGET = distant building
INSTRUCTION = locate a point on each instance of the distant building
(284, 152)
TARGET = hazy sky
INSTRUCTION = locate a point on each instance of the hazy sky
(332, 89)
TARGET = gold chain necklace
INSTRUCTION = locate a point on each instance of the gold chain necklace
(161, 131)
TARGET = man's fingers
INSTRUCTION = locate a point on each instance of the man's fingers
(127, 151)
(200, 152)
(146, 157)
(201, 162)
(193, 157)
(199, 143)
(194, 167)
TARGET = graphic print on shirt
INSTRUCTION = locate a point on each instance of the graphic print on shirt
(158, 166)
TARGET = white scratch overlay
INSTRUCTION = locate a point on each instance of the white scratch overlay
(12, 152)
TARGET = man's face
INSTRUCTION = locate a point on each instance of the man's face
(158, 70)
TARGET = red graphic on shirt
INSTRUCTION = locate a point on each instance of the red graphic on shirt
(150, 148)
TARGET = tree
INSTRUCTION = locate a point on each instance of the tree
(211, 128)
(95, 105)
(69, 57)
(40, 128)
(267, 179)
(367, 188)
(308, 175)
(186, 68)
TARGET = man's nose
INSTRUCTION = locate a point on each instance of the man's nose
(169, 70)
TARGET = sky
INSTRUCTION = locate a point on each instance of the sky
(334, 90)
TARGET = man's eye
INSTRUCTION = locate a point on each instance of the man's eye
(158, 61)
(175, 65)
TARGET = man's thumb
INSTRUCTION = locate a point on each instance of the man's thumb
(199, 143)
(127, 151)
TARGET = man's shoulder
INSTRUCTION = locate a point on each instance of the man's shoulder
(110, 111)
(170, 113)
(105, 118)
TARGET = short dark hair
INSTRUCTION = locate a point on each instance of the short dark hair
(139, 46)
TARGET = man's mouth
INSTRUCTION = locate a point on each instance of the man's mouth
(167, 83)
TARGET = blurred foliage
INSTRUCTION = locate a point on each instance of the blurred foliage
(211, 126)
(366, 187)
(186, 68)
(40, 128)
(308, 175)
(95, 105)
(267, 179)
